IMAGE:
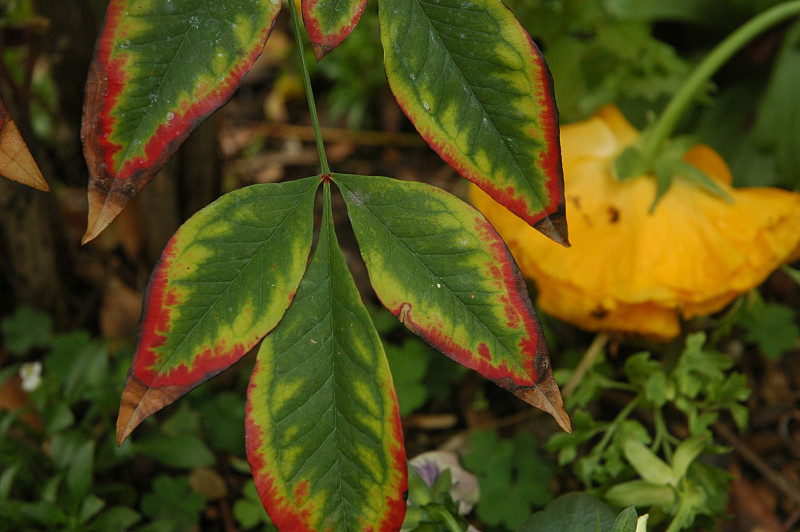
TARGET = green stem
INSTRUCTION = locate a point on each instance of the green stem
(586, 363)
(312, 107)
(614, 425)
(445, 518)
(655, 137)
(661, 437)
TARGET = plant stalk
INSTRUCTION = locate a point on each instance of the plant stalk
(586, 363)
(654, 137)
(312, 107)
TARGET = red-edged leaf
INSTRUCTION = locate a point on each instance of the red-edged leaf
(478, 90)
(328, 22)
(440, 267)
(16, 161)
(324, 438)
(223, 281)
(159, 69)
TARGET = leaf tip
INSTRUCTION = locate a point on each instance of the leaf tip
(103, 209)
(16, 161)
(554, 227)
(546, 396)
(320, 51)
(140, 401)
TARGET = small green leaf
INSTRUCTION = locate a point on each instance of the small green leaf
(777, 126)
(512, 477)
(249, 511)
(328, 22)
(775, 329)
(686, 452)
(79, 474)
(791, 272)
(573, 512)
(479, 92)
(409, 365)
(183, 451)
(25, 329)
(223, 282)
(442, 269)
(90, 507)
(114, 519)
(323, 429)
(173, 500)
(626, 521)
(7, 480)
(649, 466)
(640, 493)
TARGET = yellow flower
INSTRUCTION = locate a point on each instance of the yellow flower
(633, 271)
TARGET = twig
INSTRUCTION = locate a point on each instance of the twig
(586, 363)
(330, 134)
(787, 488)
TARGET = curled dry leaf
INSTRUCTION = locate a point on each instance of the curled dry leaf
(16, 161)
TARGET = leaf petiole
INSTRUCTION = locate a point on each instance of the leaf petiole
(312, 107)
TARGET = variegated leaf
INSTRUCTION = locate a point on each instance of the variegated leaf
(324, 439)
(478, 90)
(438, 265)
(160, 68)
(224, 280)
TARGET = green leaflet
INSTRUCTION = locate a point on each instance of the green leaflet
(224, 280)
(324, 439)
(440, 267)
(160, 68)
(476, 87)
(328, 22)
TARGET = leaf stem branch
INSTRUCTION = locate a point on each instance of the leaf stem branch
(312, 107)
(655, 136)
(586, 363)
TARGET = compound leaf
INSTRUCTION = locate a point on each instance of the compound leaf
(478, 90)
(328, 22)
(16, 161)
(442, 269)
(159, 69)
(324, 438)
(223, 282)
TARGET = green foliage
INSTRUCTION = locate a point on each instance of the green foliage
(631, 465)
(418, 374)
(172, 505)
(177, 443)
(580, 512)
(249, 511)
(356, 75)
(576, 512)
(25, 330)
(607, 55)
(69, 473)
(513, 477)
(777, 128)
(409, 364)
(431, 508)
(773, 327)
